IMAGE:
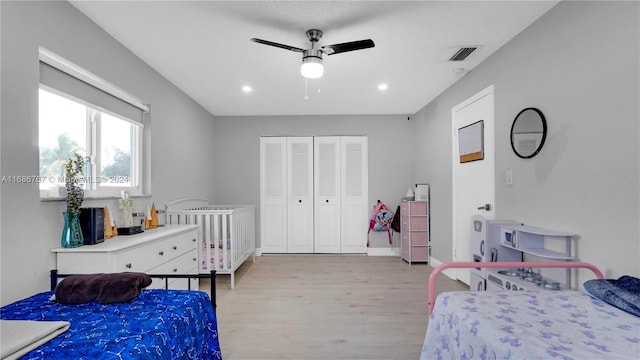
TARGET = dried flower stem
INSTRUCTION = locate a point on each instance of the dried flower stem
(73, 182)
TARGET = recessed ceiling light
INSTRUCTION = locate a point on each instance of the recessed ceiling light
(247, 88)
(382, 87)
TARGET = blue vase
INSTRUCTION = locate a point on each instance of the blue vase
(72, 232)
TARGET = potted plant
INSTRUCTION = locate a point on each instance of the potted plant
(74, 180)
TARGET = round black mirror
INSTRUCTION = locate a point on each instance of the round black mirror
(528, 132)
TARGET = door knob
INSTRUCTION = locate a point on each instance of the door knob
(486, 207)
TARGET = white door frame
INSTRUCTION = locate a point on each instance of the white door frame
(489, 150)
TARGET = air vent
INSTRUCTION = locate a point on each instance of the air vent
(462, 53)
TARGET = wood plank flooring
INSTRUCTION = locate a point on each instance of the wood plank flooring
(325, 307)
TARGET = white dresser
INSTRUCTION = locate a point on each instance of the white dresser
(171, 249)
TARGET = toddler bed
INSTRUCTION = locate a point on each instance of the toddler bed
(227, 232)
(531, 324)
(156, 324)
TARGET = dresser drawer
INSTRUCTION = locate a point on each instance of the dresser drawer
(419, 254)
(419, 238)
(182, 244)
(418, 223)
(418, 208)
(180, 265)
(184, 264)
(141, 259)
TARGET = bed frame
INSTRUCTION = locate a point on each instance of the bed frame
(227, 232)
(55, 277)
(503, 265)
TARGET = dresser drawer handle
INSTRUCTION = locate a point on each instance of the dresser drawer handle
(128, 266)
(175, 247)
(194, 239)
(175, 270)
(194, 259)
(161, 253)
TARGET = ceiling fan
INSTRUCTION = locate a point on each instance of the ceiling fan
(312, 58)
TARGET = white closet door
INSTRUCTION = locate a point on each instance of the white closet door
(327, 194)
(273, 194)
(300, 194)
(354, 194)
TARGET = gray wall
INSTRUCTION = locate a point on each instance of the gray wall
(237, 154)
(579, 64)
(30, 228)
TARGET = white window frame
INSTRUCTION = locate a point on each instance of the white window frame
(140, 153)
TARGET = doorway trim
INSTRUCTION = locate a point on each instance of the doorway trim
(489, 147)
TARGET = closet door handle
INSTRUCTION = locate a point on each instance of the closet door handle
(327, 200)
(161, 253)
(128, 266)
(299, 201)
(175, 247)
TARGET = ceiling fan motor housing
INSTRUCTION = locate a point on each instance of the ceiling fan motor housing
(310, 54)
(314, 35)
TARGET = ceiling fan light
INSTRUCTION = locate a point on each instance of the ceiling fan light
(312, 67)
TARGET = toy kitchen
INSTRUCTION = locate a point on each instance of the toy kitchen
(509, 241)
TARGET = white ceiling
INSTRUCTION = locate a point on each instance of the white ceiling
(203, 48)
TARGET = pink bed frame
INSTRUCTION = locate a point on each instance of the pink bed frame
(503, 265)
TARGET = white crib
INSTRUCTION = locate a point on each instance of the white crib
(227, 232)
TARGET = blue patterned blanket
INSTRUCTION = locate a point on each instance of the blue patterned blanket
(623, 293)
(158, 324)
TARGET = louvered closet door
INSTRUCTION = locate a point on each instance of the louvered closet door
(327, 194)
(300, 194)
(273, 194)
(354, 194)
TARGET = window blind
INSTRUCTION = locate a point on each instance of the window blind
(59, 74)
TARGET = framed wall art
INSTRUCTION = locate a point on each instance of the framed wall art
(471, 142)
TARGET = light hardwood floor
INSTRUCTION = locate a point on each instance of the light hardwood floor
(325, 307)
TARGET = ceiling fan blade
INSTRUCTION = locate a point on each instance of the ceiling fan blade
(282, 46)
(348, 46)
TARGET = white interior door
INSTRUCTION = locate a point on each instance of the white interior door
(327, 194)
(300, 194)
(473, 181)
(273, 194)
(354, 188)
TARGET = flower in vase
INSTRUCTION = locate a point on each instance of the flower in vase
(74, 180)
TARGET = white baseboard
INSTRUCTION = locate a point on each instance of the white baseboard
(386, 251)
(370, 252)
(450, 273)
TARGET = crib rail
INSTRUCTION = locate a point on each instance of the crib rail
(503, 265)
(227, 233)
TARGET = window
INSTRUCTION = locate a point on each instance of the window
(76, 116)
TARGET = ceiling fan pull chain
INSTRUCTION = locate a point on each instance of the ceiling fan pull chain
(306, 89)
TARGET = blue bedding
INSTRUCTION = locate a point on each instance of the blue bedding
(158, 324)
